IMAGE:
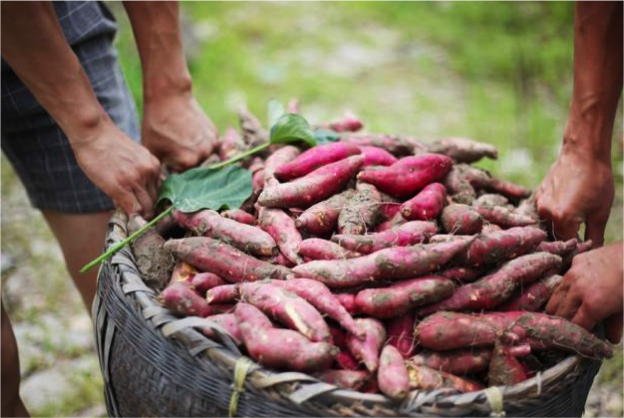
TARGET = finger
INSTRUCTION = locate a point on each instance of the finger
(152, 188)
(557, 297)
(613, 327)
(583, 318)
(565, 229)
(595, 228)
(569, 306)
(128, 202)
(147, 204)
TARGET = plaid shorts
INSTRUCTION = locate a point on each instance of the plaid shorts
(32, 141)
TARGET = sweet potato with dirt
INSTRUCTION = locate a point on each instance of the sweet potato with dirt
(282, 229)
(491, 200)
(228, 322)
(463, 150)
(425, 378)
(489, 228)
(182, 272)
(360, 211)
(244, 237)
(403, 296)
(347, 123)
(527, 208)
(427, 204)
(457, 362)
(509, 189)
(202, 282)
(346, 379)
(227, 262)
(230, 144)
(321, 219)
(392, 374)
(288, 308)
(280, 348)
(280, 157)
(392, 263)
(462, 274)
(228, 293)
(153, 262)
(494, 289)
(408, 175)
(320, 249)
(376, 156)
(397, 145)
(461, 220)
(458, 187)
(505, 369)
(315, 158)
(561, 248)
(581, 247)
(180, 299)
(254, 133)
(239, 216)
(503, 217)
(319, 296)
(534, 297)
(400, 331)
(312, 188)
(394, 222)
(410, 233)
(367, 351)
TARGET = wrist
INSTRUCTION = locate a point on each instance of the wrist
(588, 135)
(164, 86)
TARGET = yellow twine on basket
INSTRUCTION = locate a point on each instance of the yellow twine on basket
(240, 373)
(495, 398)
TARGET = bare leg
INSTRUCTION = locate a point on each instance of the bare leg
(12, 405)
(81, 237)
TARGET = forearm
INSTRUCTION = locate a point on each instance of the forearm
(36, 49)
(156, 28)
(597, 78)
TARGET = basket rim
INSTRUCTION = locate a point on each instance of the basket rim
(295, 383)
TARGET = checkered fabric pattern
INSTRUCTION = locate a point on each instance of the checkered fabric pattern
(32, 141)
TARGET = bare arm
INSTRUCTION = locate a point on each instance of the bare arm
(35, 47)
(175, 128)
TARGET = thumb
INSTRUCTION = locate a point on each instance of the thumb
(613, 327)
(595, 227)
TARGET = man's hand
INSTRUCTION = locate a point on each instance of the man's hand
(578, 188)
(123, 169)
(592, 291)
(177, 131)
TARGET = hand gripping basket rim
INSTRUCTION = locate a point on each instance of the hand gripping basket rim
(126, 310)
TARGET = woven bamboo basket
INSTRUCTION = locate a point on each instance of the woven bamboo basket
(155, 364)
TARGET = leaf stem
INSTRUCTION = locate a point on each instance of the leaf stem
(112, 250)
(240, 157)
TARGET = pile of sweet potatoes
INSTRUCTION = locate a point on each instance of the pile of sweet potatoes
(376, 263)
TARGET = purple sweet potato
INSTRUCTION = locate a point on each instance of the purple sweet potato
(527, 208)
(346, 379)
(561, 248)
(509, 189)
(319, 296)
(286, 307)
(504, 370)
(312, 188)
(321, 219)
(458, 187)
(230, 144)
(392, 263)
(503, 217)
(239, 216)
(403, 296)
(180, 299)
(228, 322)
(315, 158)
(348, 123)
(408, 175)
(425, 378)
(392, 374)
(228, 293)
(320, 249)
(257, 182)
(282, 229)
(463, 150)
(457, 362)
(282, 156)
(367, 351)
(401, 333)
(426, 205)
(361, 210)
(202, 282)
(462, 274)
(348, 301)
(410, 233)
(244, 237)
(396, 221)
(581, 247)
(376, 156)
(534, 297)
(491, 200)
(223, 260)
(253, 132)
(182, 272)
(461, 219)
(489, 228)
(281, 348)
(492, 290)
(397, 145)
(345, 361)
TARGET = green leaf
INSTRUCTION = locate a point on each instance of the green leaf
(276, 109)
(206, 188)
(292, 128)
(324, 136)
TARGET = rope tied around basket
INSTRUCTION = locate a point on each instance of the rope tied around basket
(495, 399)
(242, 367)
